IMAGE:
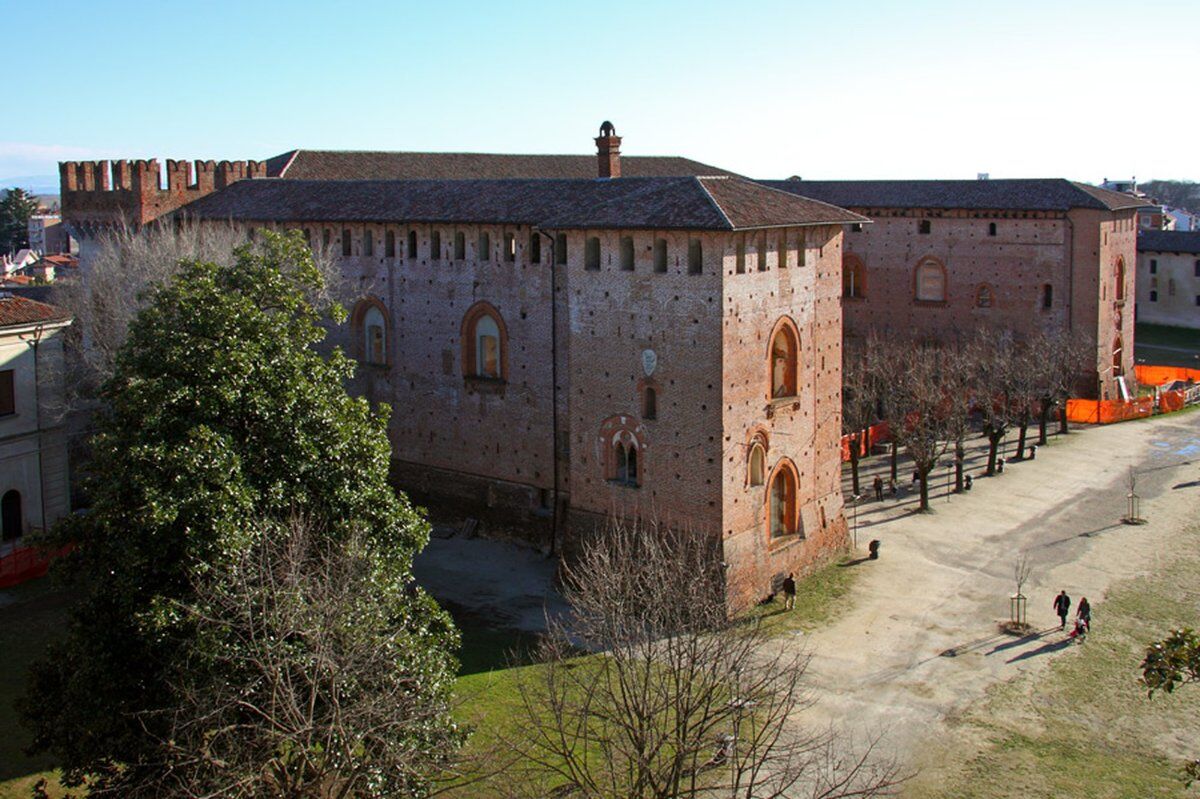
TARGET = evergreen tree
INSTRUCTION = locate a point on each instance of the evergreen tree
(221, 423)
(15, 209)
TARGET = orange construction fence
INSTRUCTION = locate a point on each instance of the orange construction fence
(875, 434)
(1088, 411)
(26, 563)
(1157, 375)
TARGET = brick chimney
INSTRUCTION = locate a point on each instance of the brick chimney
(608, 151)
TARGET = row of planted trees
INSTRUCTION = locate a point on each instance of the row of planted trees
(933, 397)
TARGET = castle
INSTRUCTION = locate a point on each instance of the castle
(566, 338)
(556, 350)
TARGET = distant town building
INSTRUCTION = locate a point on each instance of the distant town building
(1168, 281)
(48, 235)
(34, 487)
(944, 257)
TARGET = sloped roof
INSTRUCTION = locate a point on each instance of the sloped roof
(709, 203)
(368, 165)
(1037, 194)
(16, 310)
(1169, 241)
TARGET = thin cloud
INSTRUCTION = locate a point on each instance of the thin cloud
(29, 151)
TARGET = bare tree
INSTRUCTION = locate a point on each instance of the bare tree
(677, 700)
(319, 688)
(993, 354)
(924, 401)
(859, 405)
(111, 289)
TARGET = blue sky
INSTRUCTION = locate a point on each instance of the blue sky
(770, 89)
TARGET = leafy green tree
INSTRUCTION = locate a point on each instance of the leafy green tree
(1172, 663)
(15, 209)
(219, 419)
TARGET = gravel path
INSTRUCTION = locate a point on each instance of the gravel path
(920, 640)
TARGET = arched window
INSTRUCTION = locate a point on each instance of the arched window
(487, 348)
(627, 253)
(781, 506)
(412, 244)
(373, 332)
(650, 403)
(622, 447)
(625, 456)
(931, 281)
(483, 250)
(984, 298)
(460, 246)
(758, 464)
(485, 343)
(12, 522)
(510, 247)
(368, 242)
(389, 244)
(369, 323)
(784, 349)
(853, 278)
(435, 245)
(345, 241)
(1119, 295)
(591, 253)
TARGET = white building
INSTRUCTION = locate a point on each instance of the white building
(1168, 279)
(34, 483)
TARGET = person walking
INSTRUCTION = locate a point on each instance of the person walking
(1062, 606)
(1084, 614)
(789, 592)
(878, 486)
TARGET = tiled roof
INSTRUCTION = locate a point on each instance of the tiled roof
(1038, 194)
(1169, 241)
(367, 165)
(16, 310)
(710, 203)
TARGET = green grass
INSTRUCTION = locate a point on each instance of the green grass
(820, 598)
(1084, 727)
(31, 616)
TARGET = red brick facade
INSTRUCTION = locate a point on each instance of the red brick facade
(1020, 271)
(689, 316)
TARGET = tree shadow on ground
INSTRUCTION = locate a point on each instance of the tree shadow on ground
(1044, 649)
(1028, 638)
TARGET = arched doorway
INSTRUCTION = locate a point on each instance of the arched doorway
(11, 526)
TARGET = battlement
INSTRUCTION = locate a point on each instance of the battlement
(136, 192)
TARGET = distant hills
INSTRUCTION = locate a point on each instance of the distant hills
(37, 184)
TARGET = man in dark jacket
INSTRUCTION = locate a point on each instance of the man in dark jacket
(789, 592)
(1062, 606)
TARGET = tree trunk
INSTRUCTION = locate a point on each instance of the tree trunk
(924, 489)
(855, 442)
(895, 460)
(993, 445)
(960, 454)
(1062, 420)
(1043, 418)
(1022, 429)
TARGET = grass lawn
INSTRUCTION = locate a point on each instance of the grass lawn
(1084, 728)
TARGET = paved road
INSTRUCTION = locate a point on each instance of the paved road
(921, 639)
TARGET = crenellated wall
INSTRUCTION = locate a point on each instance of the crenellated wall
(135, 192)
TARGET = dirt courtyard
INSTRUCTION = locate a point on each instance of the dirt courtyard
(919, 642)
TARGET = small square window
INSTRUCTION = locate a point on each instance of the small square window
(856, 227)
(924, 226)
(1154, 266)
(1153, 296)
